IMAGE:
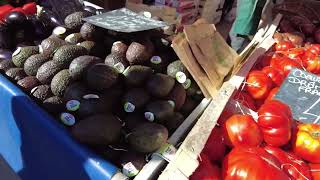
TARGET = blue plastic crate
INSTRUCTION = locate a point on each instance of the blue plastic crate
(37, 147)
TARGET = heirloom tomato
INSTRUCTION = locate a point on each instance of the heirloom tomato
(313, 65)
(253, 163)
(284, 46)
(288, 64)
(215, 147)
(307, 142)
(295, 167)
(242, 130)
(259, 85)
(272, 93)
(275, 122)
(276, 76)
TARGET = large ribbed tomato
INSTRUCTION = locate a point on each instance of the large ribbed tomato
(284, 46)
(215, 147)
(259, 85)
(275, 121)
(242, 130)
(307, 142)
(276, 76)
(252, 164)
(295, 167)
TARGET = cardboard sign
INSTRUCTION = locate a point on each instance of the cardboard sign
(62, 8)
(301, 91)
(124, 20)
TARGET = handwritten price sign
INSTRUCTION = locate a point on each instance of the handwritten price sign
(301, 91)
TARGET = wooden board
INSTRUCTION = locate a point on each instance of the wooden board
(186, 160)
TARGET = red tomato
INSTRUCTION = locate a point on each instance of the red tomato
(18, 9)
(206, 171)
(276, 59)
(275, 122)
(315, 171)
(272, 93)
(242, 130)
(259, 85)
(307, 142)
(276, 76)
(30, 8)
(284, 46)
(252, 163)
(313, 65)
(245, 99)
(295, 167)
(295, 53)
(288, 64)
(215, 147)
(4, 10)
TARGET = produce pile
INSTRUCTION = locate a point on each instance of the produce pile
(268, 144)
(123, 95)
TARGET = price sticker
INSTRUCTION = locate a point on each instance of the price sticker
(129, 107)
(130, 170)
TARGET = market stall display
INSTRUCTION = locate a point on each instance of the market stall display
(120, 94)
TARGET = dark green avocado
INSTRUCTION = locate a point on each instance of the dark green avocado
(22, 54)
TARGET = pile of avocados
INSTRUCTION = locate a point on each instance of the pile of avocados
(122, 95)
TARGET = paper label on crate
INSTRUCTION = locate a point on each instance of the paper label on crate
(67, 119)
(119, 67)
(73, 105)
(124, 20)
(149, 116)
(16, 52)
(129, 107)
(187, 84)
(168, 151)
(156, 60)
(130, 170)
(181, 77)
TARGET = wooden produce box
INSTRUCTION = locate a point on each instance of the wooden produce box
(185, 160)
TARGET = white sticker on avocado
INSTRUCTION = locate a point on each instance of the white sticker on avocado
(117, 42)
(199, 92)
(119, 67)
(181, 77)
(34, 89)
(91, 96)
(187, 84)
(129, 107)
(40, 49)
(68, 38)
(149, 116)
(130, 170)
(67, 119)
(59, 30)
(73, 105)
(172, 103)
(168, 151)
(156, 60)
(16, 52)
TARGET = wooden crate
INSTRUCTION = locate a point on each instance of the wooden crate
(185, 161)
